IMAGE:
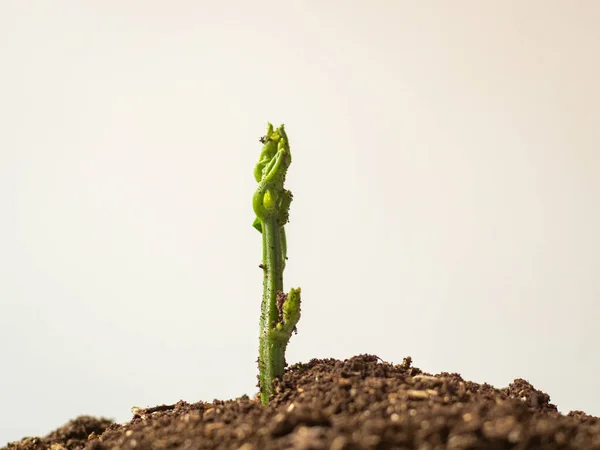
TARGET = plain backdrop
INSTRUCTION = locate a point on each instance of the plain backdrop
(446, 174)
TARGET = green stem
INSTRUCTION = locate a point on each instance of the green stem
(273, 281)
(271, 355)
(280, 312)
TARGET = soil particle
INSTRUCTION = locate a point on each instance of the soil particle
(360, 403)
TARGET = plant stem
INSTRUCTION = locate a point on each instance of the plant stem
(270, 354)
(280, 312)
(273, 275)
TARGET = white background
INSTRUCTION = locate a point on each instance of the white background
(446, 179)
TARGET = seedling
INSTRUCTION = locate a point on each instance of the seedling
(280, 312)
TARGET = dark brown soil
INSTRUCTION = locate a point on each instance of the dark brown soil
(360, 403)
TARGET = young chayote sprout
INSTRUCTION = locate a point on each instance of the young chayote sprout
(280, 312)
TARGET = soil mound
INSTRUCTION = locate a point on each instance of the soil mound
(360, 403)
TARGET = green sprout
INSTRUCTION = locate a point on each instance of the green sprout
(280, 312)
